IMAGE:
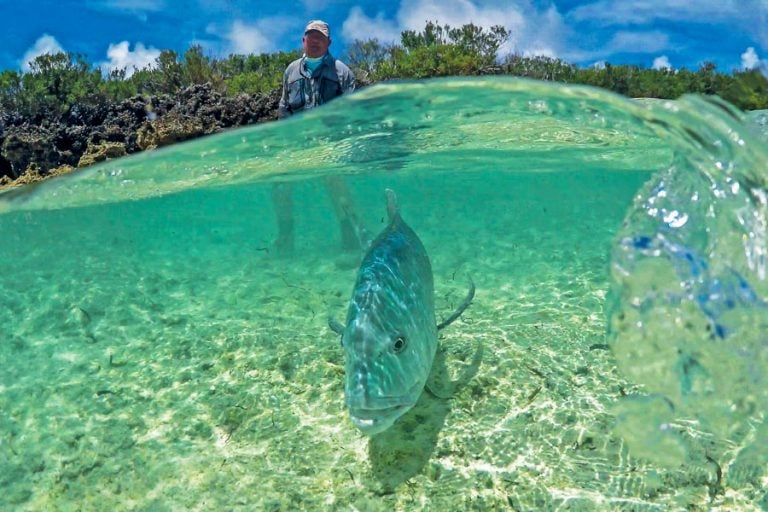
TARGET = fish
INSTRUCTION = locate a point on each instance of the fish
(390, 336)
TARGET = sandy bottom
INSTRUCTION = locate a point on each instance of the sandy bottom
(159, 356)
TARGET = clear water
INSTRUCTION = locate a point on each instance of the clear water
(157, 354)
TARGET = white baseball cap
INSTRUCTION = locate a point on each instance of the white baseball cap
(320, 26)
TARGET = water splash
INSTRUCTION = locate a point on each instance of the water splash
(689, 315)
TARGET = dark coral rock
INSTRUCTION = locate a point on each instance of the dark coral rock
(71, 142)
(5, 168)
(167, 130)
(85, 115)
(100, 152)
(26, 144)
(49, 139)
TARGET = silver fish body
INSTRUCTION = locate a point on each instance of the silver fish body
(390, 336)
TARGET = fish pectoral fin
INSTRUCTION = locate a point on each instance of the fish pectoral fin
(439, 382)
(335, 326)
(464, 305)
(438, 392)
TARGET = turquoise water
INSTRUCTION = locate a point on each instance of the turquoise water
(158, 354)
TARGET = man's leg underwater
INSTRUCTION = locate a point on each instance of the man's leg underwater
(282, 201)
(354, 236)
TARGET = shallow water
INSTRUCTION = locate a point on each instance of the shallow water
(158, 355)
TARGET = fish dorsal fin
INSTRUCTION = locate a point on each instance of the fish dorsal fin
(393, 209)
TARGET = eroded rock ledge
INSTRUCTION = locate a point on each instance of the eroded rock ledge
(35, 149)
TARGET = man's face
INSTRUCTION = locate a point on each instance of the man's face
(315, 44)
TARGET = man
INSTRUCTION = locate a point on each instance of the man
(316, 78)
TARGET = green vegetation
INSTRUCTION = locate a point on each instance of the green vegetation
(471, 50)
(56, 83)
(437, 51)
(53, 84)
(745, 89)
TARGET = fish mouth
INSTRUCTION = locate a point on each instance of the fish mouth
(366, 414)
(359, 400)
(373, 421)
(376, 414)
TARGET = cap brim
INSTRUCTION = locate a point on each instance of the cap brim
(316, 30)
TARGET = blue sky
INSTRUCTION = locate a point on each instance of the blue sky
(127, 33)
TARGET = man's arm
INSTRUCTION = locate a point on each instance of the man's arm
(347, 79)
(283, 109)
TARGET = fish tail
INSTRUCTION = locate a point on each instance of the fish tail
(393, 210)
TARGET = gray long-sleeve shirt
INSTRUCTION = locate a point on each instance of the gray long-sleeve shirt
(303, 90)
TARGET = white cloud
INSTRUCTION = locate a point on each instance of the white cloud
(44, 44)
(120, 56)
(543, 36)
(637, 42)
(534, 51)
(749, 59)
(131, 5)
(245, 38)
(537, 30)
(241, 37)
(414, 14)
(315, 5)
(532, 32)
(745, 16)
(591, 49)
(661, 62)
(137, 8)
(359, 26)
(619, 12)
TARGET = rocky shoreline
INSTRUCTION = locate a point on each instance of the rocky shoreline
(50, 145)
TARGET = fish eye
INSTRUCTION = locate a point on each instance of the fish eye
(399, 344)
